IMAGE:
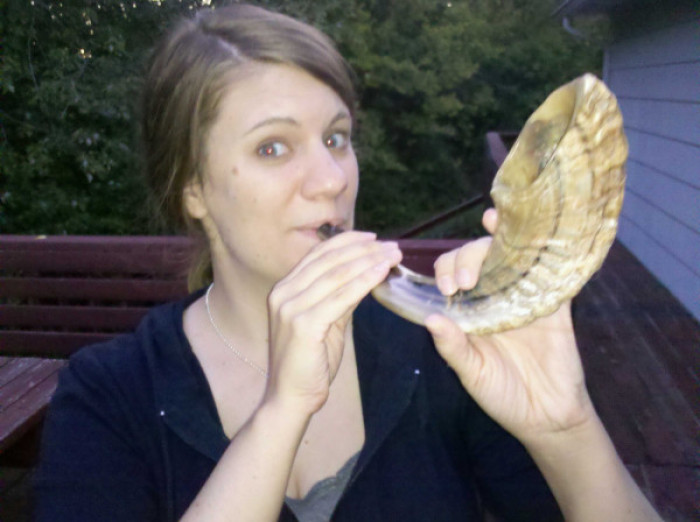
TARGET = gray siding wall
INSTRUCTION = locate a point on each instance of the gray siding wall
(656, 77)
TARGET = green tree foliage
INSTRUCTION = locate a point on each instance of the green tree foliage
(433, 78)
(69, 83)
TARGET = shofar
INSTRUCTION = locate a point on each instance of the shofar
(558, 195)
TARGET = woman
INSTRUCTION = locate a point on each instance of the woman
(282, 390)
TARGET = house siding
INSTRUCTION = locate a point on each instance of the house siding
(656, 78)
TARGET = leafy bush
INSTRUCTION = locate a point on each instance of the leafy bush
(433, 78)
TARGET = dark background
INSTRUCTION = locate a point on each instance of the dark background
(433, 78)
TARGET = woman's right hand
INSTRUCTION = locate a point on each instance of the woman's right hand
(309, 312)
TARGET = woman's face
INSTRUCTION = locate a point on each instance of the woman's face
(279, 163)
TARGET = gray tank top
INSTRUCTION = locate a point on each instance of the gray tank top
(320, 501)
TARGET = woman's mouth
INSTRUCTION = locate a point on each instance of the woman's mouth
(328, 230)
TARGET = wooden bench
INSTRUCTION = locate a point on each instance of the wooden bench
(60, 293)
(63, 292)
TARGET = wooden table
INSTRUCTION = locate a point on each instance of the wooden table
(26, 386)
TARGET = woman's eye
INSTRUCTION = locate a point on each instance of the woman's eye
(272, 150)
(337, 140)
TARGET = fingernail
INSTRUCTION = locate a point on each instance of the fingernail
(447, 285)
(464, 278)
(382, 267)
(391, 250)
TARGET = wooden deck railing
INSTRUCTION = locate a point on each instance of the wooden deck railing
(60, 293)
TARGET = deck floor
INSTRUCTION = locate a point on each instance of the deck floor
(641, 353)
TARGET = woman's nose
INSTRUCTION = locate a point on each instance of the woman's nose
(327, 175)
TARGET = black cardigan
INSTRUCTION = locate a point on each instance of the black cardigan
(132, 433)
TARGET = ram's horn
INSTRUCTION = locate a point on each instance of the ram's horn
(558, 195)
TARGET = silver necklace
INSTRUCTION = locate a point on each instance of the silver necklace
(226, 342)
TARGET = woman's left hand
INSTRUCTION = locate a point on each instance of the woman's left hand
(530, 379)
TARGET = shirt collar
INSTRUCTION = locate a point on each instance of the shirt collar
(388, 352)
(388, 358)
(182, 391)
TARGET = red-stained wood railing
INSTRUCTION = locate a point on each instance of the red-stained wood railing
(60, 293)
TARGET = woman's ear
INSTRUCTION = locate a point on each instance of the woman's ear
(193, 196)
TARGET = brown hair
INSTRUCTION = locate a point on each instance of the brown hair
(187, 76)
